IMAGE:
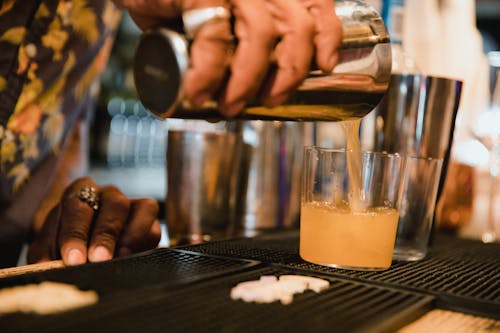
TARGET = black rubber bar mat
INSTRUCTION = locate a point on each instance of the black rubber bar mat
(464, 275)
(206, 306)
(161, 266)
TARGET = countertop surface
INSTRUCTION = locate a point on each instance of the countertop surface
(455, 288)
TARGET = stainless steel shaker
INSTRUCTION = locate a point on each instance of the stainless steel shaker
(416, 119)
(351, 90)
(206, 184)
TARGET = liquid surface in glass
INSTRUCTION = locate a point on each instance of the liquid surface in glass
(345, 238)
(353, 236)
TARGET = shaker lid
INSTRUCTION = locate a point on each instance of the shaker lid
(160, 62)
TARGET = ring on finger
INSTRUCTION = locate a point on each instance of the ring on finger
(89, 195)
(195, 19)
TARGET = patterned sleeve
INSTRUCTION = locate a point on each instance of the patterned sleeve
(51, 51)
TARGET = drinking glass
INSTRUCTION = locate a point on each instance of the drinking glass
(343, 225)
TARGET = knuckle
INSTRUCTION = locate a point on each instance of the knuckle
(121, 203)
(149, 205)
(84, 180)
(115, 200)
(76, 185)
(74, 207)
(79, 182)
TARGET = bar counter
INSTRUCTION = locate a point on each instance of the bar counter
(187, 289)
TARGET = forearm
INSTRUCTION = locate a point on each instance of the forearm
(73, 164)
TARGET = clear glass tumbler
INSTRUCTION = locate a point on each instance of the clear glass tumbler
(350, 211)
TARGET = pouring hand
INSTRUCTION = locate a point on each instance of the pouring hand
(277, 40)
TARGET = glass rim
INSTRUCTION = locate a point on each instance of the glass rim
(376, 153)
(343, 150)
(425, 158)
(194, 132)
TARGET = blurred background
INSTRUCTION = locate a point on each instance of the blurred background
(128, 145)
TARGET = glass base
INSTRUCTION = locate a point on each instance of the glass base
(353, 268)
(407, 255)
(191, 239)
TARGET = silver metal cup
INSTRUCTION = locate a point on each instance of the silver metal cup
(206, 183)
(273, 193)
(416, 119)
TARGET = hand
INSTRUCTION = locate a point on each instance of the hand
(77, 233)
(286, 33)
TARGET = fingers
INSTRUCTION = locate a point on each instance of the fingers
(288, 32)
(294, 51)
(282, 31)
(109, 223)
(328, 32)
(79, 230)
(140, 232)
(209, 61)
(75, 224)
(143, 229)
(254, 29)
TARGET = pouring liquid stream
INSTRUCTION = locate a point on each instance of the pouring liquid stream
(357, 196)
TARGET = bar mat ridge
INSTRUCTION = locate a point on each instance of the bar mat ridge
(206, 306)
(160, 266)
(463, 274)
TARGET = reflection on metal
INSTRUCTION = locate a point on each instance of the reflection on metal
(417, 116)
(205, 184)
(274, 178)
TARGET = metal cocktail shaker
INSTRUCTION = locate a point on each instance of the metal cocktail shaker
(351, 90)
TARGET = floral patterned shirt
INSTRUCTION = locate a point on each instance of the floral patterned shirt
(51, 51)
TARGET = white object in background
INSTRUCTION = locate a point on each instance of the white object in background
(464, 59)
(422, 35)
(402, 61)
(442, 37)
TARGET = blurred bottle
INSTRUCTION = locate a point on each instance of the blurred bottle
(393, 13)
(455, 208)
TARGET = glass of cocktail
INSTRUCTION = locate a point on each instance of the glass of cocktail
(350, 208)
